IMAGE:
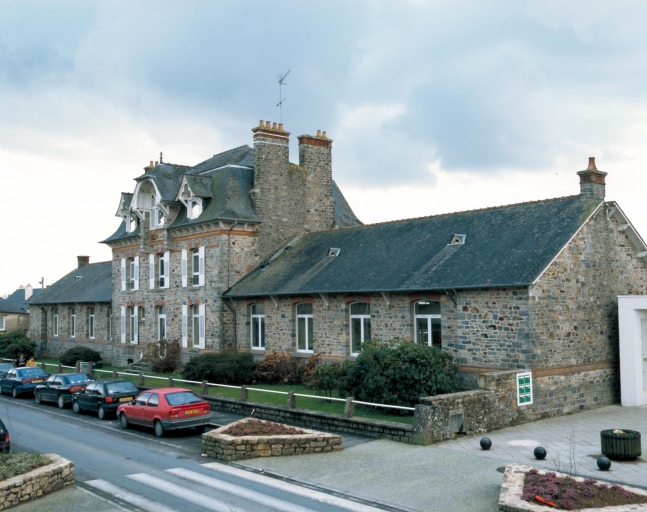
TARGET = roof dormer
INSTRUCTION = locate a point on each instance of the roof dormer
(193, 193)
(147, 198)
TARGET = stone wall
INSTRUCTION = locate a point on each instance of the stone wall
(44, 480)
(315, 157)
(14, 322)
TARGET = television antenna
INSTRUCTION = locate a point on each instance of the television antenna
(281, 98)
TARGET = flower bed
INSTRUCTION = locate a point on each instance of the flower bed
(523, 485)
(220, 444)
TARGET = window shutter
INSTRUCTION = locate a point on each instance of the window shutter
(201, 310)
(123, 324)
(136, 327)
(184, 267)
(151, 271)
(201, 269)
(167, 269)
(136, 263)
(123, 274)
(185, 341)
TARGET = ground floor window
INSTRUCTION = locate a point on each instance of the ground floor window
(161, 323)
(3, 325)
(91, 323)
(304, 327)
(132, 314)
(360, 325)
(258, 325)
(55, 321)
(427, 322)
(72, 322)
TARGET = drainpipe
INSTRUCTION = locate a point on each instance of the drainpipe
(229, 255)
(226, 303)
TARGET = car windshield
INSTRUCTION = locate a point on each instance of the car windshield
(76, 378)
(31, 372)
(182, 398)
(122, 387)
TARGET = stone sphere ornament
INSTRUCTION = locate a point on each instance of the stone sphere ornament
(540, 453)
(486, 444)
(604, 463)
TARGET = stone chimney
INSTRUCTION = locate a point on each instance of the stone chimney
(592, 182)
(148, 167)
(83, 261)
(315, 157)
(278, 188)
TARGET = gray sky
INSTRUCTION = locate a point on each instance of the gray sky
(433, 106)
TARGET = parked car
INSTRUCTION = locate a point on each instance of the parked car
(104, 396)
(166, 409)
(4, 368)
(60, 387)
(22, 380)
(5, 441)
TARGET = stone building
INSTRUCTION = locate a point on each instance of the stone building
(248, 250)
(12, 317)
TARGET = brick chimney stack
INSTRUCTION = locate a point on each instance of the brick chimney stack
(315, 157)
(83, 261)
(592, 182)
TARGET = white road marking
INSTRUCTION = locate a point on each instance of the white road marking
(129, 497)
(247, 494)
(185, 494)
(291, 488)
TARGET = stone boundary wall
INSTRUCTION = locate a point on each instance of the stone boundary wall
(221, 446)
(29, 486)
(316, 420)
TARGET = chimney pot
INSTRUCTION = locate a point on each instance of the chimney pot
(591, 166)
(261, 124)
(151, 164)
(281, 126)
(268, 124)
(156, 164)
(318, 133)
(83, 261)
(324, 135)
(274, 126)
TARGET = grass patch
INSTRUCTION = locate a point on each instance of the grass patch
(14, 464)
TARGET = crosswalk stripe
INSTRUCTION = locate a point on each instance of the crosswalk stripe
(128, 497)
(186, 494)
(291, 488)
(248, 494)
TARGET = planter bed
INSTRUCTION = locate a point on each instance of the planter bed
(515, 492)
(220, 445)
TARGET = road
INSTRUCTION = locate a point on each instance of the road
(138, 471)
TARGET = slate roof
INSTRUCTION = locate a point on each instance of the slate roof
(504, 246)
(94, 285)
(8, 307)
(17, 298)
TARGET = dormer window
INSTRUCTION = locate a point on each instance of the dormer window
(157, 217)
(194, 208)
(131, 223)
(457, 240)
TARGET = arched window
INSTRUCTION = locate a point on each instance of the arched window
(304, 327)
(258, 326)
(360, 325)
(427, 322)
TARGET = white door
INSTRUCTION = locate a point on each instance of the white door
(643, 331)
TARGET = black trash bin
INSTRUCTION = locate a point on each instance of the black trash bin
(620, 444)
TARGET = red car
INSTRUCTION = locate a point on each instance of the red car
(166, 409)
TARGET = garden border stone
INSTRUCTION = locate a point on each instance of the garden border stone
(221, 446)
(512, 489)
(37, 482)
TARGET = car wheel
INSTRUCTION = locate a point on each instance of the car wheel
(14, 392)
(123, 420)
(159, 429)
(101, 412)
(201, 428)
(76, 408)
(61, 401)
(37, 397)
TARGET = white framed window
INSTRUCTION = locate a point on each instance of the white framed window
(164, 270)
(123, 324)
(3, 325)
(194, 208)
(427, 322)
(304, 327)
(161, 323)
(185, 270)
(157, 217)
(123, 274)
(195, 326)
(524, 388)
(91, 324)
(133, 273)
(195, 267)
(134, 323)
(258, 326)
(131, 223)
(360, 325)
(72, 322)
(55, 321)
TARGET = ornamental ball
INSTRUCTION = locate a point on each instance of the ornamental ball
(604, 463)
(540, 453)
(486, 444)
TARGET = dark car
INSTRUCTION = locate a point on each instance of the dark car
(5, 442)
(22, 380)
(4, 368)
(166, 409)
(104, 396)
(60, 387)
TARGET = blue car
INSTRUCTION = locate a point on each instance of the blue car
(22, 380)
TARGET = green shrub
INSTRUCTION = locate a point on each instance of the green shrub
(325, 378)
(74, 354)
(165, 356)
(398, 372)
(221, 368)
(15, 343)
